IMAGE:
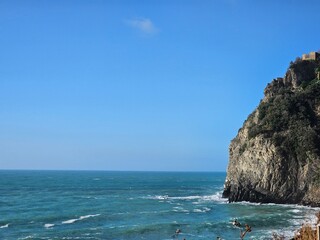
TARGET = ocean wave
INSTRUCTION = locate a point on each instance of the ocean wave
(79, 219)
(159, 197)
(5, 226)
(295, 210)
(250, 203)
(309, 218)
(287, 233)
(154, 212)
(297, 215)
(217, 197)
(27, 237)
(180, 209)
(283, 234)
(203, 210)
(198, 210)
(48, 225)
(293, 206)
(186, 198)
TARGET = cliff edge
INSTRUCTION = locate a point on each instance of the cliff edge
(275, 156)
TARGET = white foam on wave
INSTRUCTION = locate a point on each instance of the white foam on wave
(89, 216)
(203, 210)
(292, 230)
(159, 197)
(70, 221)
(186, 198)
(293, 206)
(198, 210)
(27, 237)
(48, 225)
(286, 233)
(5, 226)
(180, 209)
(307, 218)
(79, 219)
(249, 203)
(299, 215)
(153, 212)
(217, 197)
(295, 210)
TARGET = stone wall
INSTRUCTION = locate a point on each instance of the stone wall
(310, 56)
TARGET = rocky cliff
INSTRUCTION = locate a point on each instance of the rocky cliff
(275, 156)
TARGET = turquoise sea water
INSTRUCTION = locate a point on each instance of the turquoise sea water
(132, 205)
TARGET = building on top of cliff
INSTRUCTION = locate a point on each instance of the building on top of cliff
(311, 56)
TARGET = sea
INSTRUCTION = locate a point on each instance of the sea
(134, 205)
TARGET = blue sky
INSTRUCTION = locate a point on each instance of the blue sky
(139, 85)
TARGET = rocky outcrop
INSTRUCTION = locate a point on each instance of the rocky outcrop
(275, 156)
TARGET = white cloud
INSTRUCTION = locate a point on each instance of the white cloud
(144, 25)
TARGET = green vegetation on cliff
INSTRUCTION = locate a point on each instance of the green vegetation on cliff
(291, 122)
(290, 117)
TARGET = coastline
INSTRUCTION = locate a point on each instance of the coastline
(297, 224)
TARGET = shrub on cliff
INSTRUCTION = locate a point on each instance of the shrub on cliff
(289, 117)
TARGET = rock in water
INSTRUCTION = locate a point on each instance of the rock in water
(275, 156)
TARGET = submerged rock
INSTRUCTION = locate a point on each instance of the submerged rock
(275, 156)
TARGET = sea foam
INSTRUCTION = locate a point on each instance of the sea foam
(48, 225)
(5, 226)
(217, 197)
(79, 219)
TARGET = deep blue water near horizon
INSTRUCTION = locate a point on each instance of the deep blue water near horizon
(132, 205)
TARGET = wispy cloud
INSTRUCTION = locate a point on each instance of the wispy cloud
(143, 25)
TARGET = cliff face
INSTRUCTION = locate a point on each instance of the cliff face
(275, 156)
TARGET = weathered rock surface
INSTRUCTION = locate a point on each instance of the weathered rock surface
(275, 156)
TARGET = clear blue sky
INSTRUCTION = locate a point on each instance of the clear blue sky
(139, 85)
